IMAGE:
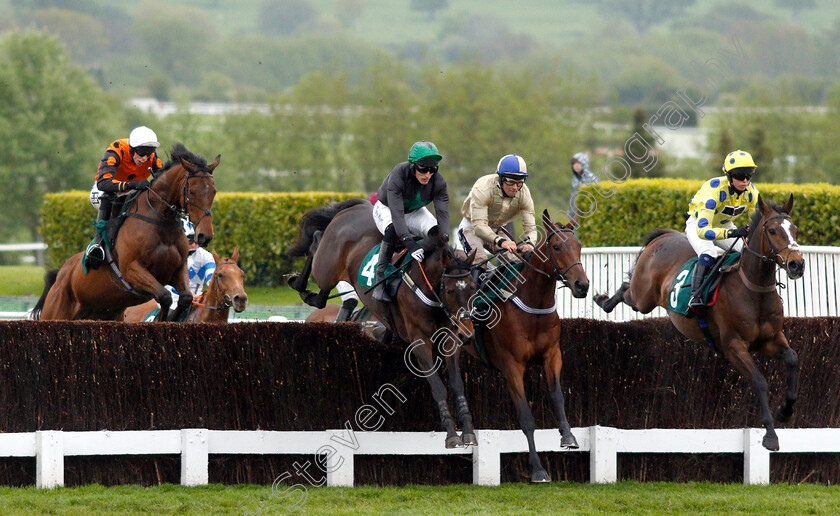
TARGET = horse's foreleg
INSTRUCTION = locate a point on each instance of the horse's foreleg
(423, 353)
(553, 363)
(514, 373)
(142, 279)
(741, 359)
(781, 349)
(456, 383)
(607, 303)
(185, 296)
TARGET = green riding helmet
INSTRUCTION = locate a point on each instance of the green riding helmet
(425, 153)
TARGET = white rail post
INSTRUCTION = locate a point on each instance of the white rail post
(49, 459)
(603, 455)
(340, 463)
(195, 464)
(756, 458)
(487, 459)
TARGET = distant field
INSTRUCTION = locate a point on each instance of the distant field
(551, 22)
(554, 498)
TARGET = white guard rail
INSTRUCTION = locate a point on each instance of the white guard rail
(341, 446)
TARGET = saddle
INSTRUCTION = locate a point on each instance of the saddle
(680, 291)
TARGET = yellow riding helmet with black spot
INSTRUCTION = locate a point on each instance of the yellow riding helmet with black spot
(737, 159)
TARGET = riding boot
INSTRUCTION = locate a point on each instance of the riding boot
(380, 293)
(346, 310)
(95, 254)
(696, 300)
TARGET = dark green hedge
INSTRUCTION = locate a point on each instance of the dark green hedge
(640, 205)
(263, 225)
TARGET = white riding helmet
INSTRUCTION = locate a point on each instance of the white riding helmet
(143, 137)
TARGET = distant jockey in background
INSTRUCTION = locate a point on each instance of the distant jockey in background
(200, 266)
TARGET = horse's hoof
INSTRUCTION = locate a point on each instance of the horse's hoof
(783, 415)
(771, 442)
(569, 441)
(540, 477)
(290, 279)
(454, 442)
(469, 439)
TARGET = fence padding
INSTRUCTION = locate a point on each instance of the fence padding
(78, 376)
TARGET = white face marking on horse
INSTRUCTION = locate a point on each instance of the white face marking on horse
(461, 284)
(786, 224)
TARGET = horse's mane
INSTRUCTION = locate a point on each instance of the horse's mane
(317, 220)
(656, 233)
(756, 217)
(180, 152)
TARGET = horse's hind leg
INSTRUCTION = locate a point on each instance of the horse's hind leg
(609, 303)
(318, 300)
(514, 373)
(739, 357)
(299, 281)
(456, 383)
(553, 363)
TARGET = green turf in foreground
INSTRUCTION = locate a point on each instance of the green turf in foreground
(555, 498)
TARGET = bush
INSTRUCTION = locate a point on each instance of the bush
(263, 225)
(640, 205)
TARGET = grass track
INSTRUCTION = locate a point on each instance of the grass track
(555, 498)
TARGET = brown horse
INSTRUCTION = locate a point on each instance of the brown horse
(432, 313)
(226, 290)
(150, 249)
(526, 328)
(362, 316)
(748, 313)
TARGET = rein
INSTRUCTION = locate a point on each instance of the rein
(184, 200)
(773, 252)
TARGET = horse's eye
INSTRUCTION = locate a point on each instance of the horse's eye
(556, 247)
(450, 291)
(772, 231)
(220, 275)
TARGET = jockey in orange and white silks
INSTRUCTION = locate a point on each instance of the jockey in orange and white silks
(710, 227)
(125, 166)
(494, 201)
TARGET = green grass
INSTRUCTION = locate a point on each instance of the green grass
(27, 280)
(21, 280)
(555, 498)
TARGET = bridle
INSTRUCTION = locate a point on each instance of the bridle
(774, 253)
(559, 272)
(225, 300)
(180, 210)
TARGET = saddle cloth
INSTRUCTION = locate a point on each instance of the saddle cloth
(680, 292)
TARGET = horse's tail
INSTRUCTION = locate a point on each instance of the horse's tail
(49, 281)
(317, 220)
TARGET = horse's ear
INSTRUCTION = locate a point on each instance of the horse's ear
(546, 220)
(760, 204)
(235, 256)
(471, 257)
(215, 256)
(788, 205)
(187, 165)
(215, 164)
